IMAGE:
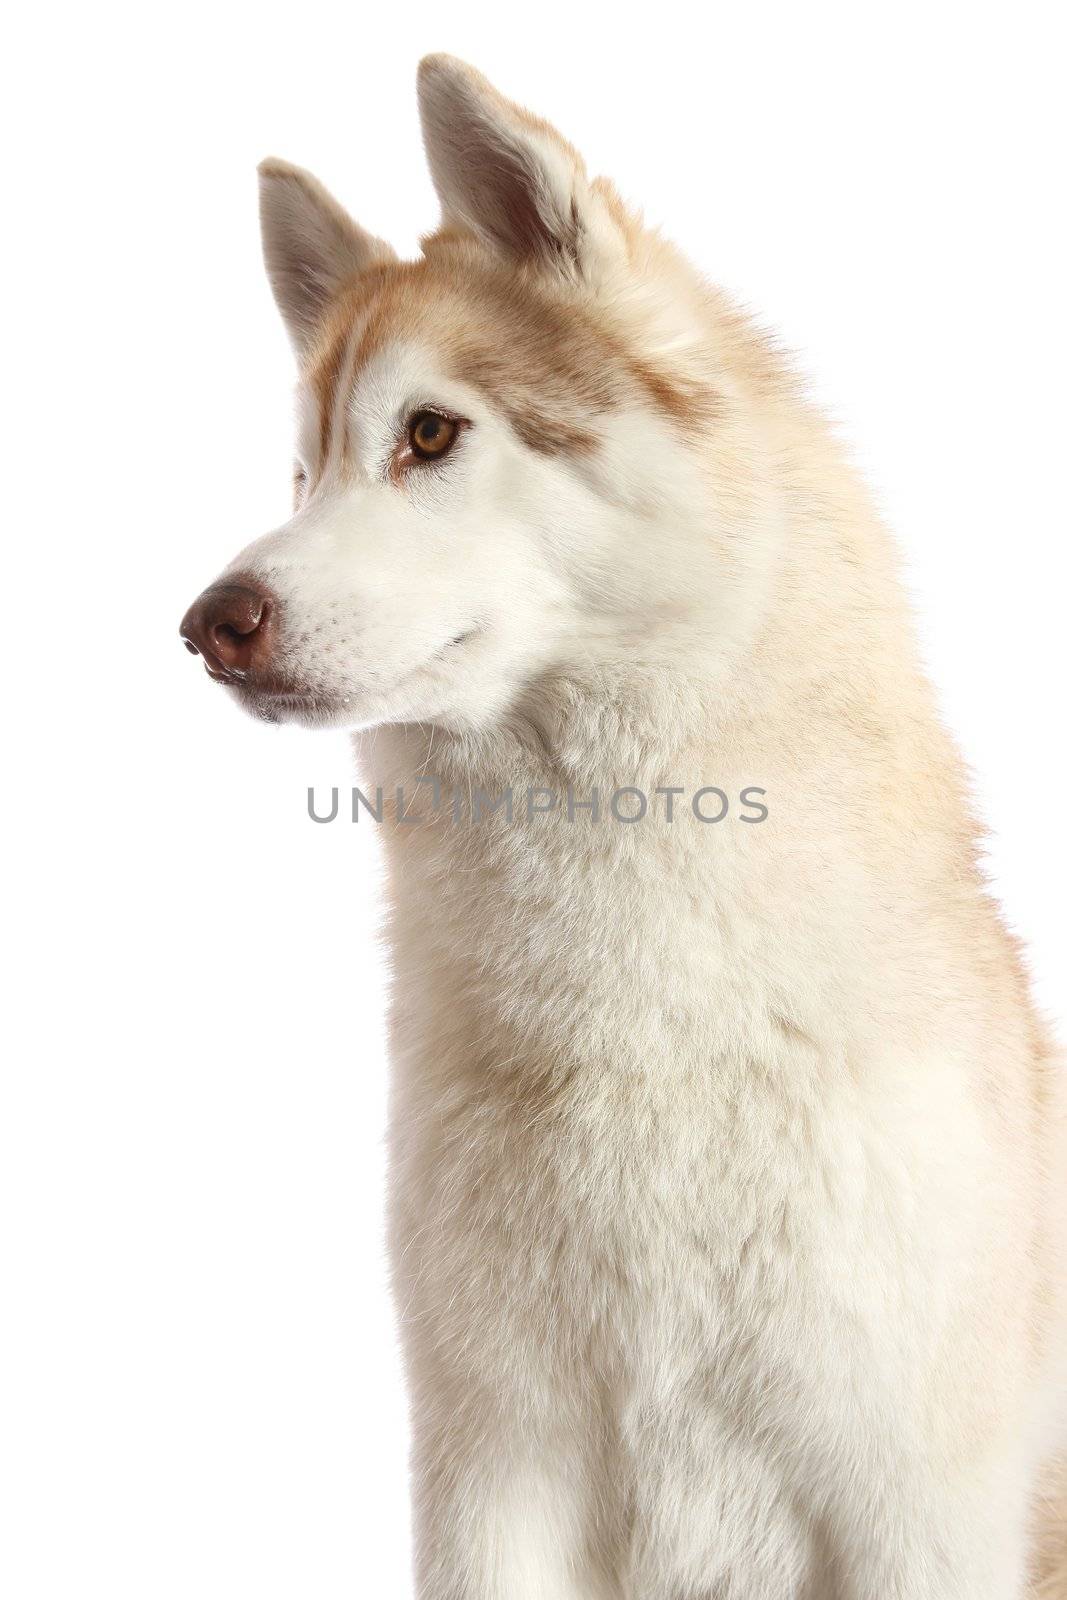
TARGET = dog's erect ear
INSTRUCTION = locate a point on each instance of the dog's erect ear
(509, 177)
(310, 244)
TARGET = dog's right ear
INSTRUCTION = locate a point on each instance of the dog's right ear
(511, 179)
(311, 246)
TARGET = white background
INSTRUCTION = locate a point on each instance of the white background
(199, 1393)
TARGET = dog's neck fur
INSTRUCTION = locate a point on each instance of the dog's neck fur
(505, 930)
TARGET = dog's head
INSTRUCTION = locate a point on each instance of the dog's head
(523, 454)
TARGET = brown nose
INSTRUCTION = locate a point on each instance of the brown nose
(231, 627)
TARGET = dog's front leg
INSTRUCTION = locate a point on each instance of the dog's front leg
(959, 1534)
(498, 1515)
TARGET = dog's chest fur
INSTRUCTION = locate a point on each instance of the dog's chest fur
(645, 1123)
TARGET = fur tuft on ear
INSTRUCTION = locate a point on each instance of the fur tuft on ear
(311, 246)
(508, 177)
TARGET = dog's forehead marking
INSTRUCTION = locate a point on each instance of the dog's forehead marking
(549, 366)
(331, 373)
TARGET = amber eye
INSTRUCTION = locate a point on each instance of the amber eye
(430, 435)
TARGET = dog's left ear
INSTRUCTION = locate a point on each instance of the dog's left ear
(510, 178)
(311, 246)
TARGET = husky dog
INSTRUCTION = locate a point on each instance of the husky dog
(728, 1161)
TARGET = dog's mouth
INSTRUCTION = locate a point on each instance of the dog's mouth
(308, 708)
(277, 700)
(269, 696)
(263, 684)
(458, 639)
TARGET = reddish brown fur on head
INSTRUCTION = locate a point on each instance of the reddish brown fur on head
(508, 289)
(550, 361)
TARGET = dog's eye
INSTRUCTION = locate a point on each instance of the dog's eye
(430, 435)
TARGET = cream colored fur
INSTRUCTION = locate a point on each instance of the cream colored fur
(727, 1203)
